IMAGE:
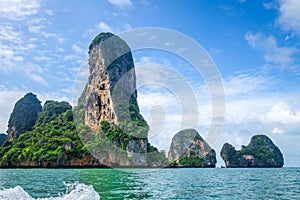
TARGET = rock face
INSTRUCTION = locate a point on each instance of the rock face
(24, 116)
(260, 152)
(188, 149)
(111, 82)
(110, 94)
(3, 138)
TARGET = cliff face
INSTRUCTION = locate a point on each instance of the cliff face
(3, 138)
(188, 149)
(260, 152)
(110, 96)
(24, 116)
(110, 59)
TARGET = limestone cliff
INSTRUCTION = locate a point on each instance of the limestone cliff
(111, 63)
(24, 116)
(3, 138)
(260, 152)
(110, 95)
(188, 149)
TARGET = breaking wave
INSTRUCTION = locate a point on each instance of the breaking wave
(75, 191)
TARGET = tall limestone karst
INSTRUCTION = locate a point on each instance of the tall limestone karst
(24, 116)
(110, 96)
(188, 149)
(260, 152)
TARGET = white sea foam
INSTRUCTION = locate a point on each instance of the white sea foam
(74, 191)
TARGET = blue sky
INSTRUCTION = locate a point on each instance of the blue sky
(254, 44)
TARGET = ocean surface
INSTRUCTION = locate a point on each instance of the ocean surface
(90, 184)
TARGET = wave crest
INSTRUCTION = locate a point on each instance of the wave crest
(75, 191)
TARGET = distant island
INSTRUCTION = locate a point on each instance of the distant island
(188, 149)
(260, 152)
(106, 128)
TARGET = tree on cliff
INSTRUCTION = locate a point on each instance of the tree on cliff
(51, 110)
(24, 116)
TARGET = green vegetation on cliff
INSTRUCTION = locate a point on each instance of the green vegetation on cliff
(53, 134)
(260, 152)
(155, 157)
(191, 161)
(51, 110)
(100, 38)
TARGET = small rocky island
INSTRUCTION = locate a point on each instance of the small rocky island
(260, 152)
(188, 149)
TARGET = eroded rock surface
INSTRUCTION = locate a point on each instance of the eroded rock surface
(188, 149)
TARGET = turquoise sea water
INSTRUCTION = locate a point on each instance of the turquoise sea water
(283, 183)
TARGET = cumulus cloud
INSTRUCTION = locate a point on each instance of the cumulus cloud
(277, 130)
(272, 52)
(289, 17)
(282, 113)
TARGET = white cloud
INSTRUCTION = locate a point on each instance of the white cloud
(49, 12)
(102, 26)
(38, 78)
(143, 60)
(37, 25)
(78, 49)
(16, 45)
(270, 5)
(277, 130)
(120, 3)
(289, 17)
(245, 84)
(272, 52)
(282, 113)
(127, 27)
(18, 9)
